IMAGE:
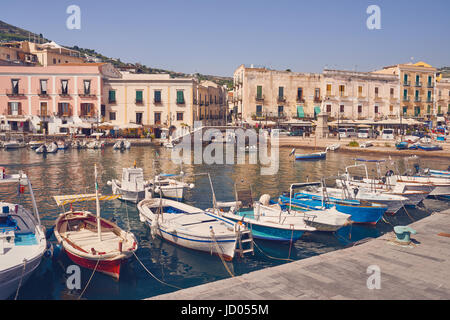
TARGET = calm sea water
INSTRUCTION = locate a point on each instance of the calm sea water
(72, 172)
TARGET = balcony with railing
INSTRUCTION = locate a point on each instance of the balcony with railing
(418, 84)
(86, 94)
(181, 101)
(44, 95)
(317, 99)
(430, 100)
(64, 94)
(15, 93)
(406, 83)
(430, 85)
(65, 113)
(281, 99)
(300, 99)
(417, 99)
(405, 99)
(269, 116)
(259, 97)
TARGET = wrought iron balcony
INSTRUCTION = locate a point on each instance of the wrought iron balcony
(406, 83)
(281, 99)
(418, 84)
(259, 97)
(300, 99)
(15, 93)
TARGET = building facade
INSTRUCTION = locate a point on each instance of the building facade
(404, 90)
(52, 99)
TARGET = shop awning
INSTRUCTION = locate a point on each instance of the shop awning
(317, 110)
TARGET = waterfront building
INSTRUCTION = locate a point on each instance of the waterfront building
(153, 100)
(417, 84)
(263, 95)
(359, 95)
(211, 104)
(442, 97)
(52, 99)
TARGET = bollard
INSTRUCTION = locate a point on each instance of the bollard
(403, 234)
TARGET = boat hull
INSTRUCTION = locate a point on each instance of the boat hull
(205, 244)
(131, 196)
(312, 156)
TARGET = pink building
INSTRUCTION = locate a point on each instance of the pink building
(53, 98)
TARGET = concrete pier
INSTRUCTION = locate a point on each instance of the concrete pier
(418, 271)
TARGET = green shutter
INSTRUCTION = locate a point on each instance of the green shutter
(112, 95)
(180, 97)
(405, 110)
(417, 111)
(259, 91)
(429, 109)
(139, 95)
(281, 92)
(300, 112)
(157, 96)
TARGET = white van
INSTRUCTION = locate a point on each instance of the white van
(387, 134)
(347, 133)
(365, 133)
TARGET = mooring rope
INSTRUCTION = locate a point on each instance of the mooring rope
(21, 277)
(89, 281)
(268, 255)
(148, 271)
(220, 254)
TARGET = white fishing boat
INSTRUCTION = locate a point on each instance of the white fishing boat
(132, 186)
(90, 240)
(168, 186)
(22, 239)
(414, 197)
(333, 147)
(13, 144)
(52, 147)
(366, 144)
(35, 144)
(63, 145)
(96, 144)
(122, 145)
(190, 227)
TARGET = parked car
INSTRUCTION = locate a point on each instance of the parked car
(348, 133)
(366, 133)
(387, 134)
(296, 133)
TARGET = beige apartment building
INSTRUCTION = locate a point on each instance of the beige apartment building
(443, 96)
(404, 90)
(261, 94)
(46, 54)
(417, 83)
(360, 95)
(150, 100)
(211, 104)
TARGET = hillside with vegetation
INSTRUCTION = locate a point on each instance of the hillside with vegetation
(9, 33)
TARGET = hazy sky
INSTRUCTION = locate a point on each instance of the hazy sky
(215, 37)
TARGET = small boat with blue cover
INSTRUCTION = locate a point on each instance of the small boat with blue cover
(360, 211)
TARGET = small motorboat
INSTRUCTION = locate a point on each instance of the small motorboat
(122, 145)
(90, 240)
(13, 144)
(22, 239)
(190, 227)
(333, 147)
(41, 149)
(367, 144)
(429, 147)
(96, 144)
(403, 145)
(35, 144)
(132, 186)
(52, 147)
(63, 145)
(168, 186)
(311, 156)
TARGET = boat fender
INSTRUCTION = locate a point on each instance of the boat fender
(191, 186)
(265, 199)
(355, 191)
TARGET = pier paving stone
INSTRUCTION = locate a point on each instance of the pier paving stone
(418, 272)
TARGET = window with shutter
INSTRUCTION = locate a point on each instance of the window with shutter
(180, 97)
(157, 96)
(139, 96)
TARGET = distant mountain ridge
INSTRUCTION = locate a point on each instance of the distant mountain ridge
(9, 33)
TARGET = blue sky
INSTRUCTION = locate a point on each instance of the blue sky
(215, 37)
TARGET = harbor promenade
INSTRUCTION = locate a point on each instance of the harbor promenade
(420, 270)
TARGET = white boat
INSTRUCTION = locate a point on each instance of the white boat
(95, 145)
(190, 227)
(168, 186)
(366, 144)
(13, 144)
(132, 186)
(333, 147)
(22, 239)
(52, 147)
(122, 145)
(63, 145)
(168, 145)
(414, 197)
(91, 241)
(35, 144)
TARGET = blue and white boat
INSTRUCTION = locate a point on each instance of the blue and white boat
(309, 156)
(22, 239)
(360, 211)
(429, 147)
(265, 222)
(190, 227)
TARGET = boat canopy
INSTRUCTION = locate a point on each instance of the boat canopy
(66, 199)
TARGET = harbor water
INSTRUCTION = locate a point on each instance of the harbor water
(72, 172)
